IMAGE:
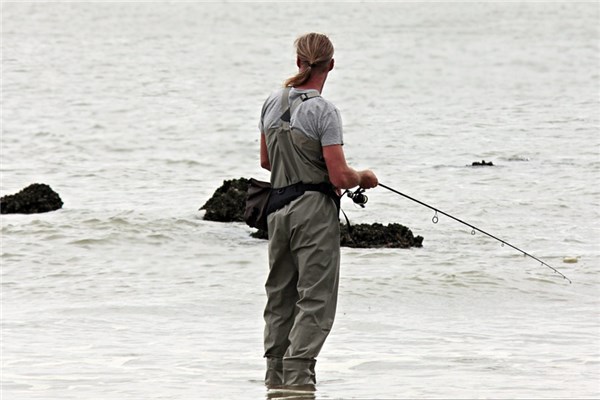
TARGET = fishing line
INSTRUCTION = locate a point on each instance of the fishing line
(435, 220)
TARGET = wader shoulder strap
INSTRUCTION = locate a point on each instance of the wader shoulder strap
(285, 100)
(285, 105)
(303, 97)
(286, 109)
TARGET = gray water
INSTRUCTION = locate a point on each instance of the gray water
(136, 112)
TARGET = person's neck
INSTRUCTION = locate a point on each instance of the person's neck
(316, 82)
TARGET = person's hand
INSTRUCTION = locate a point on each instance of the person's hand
(368, 180)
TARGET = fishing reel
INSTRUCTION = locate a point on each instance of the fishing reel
(358, 197)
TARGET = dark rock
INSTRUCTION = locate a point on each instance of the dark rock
(228, 202)
(483, 163)
(377, 235)
(370, 235)
(35, 198)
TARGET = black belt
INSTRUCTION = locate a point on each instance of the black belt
(285, 195)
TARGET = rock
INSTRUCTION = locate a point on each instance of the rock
(376, 235)
(35, 198)
(371, 236)
(483, 163)
(228, 202)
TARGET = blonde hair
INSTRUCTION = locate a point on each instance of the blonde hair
(314, 50)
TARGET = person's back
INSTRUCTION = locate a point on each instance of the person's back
(312, 122)
(318, 118)
(301, 144)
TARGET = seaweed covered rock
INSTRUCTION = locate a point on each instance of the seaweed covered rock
(228, 202)
(378, 235)
(35, 198)
(371, 236)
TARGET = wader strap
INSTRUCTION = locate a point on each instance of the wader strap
(285, 106)
(303, 97)
(285, 100)
(287, 110)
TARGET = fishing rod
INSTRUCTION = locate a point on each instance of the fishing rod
(359, 198)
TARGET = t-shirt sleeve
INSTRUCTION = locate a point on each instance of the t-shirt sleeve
(261, 126)
(331, 128)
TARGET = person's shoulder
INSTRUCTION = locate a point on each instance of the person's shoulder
(273, 99)
(326, 105)
(317, 101)
(325, 101)
(276, 94)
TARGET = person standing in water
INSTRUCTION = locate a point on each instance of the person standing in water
(301, 144)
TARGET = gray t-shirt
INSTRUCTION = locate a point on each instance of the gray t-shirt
(317, 118)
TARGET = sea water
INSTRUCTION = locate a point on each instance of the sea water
(135, 112)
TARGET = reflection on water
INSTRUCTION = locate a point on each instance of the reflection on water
(305, 392)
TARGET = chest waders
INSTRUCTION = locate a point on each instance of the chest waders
(304, 253)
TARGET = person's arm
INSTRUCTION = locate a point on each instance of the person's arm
(264, 155)
(343, 176)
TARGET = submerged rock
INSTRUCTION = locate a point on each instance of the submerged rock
(483, 163)
(228, 202)
(35, 198)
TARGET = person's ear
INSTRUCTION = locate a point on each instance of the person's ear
(298, 62)
(331, 63)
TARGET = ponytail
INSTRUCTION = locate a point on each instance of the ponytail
(299, 79)
(314, 50)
